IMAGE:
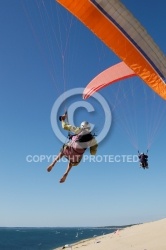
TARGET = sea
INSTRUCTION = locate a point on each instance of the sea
(23, 238)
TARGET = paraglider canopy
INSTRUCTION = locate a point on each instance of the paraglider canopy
(123, 34)
(113, 74)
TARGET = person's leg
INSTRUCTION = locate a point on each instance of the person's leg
(59, 156)
(66, 173)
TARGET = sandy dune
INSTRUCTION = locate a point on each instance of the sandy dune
(147, 236)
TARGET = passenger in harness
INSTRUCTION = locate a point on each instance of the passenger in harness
(143, 159)
(75, 148)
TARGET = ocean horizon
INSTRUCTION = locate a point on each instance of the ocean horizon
(48, 238)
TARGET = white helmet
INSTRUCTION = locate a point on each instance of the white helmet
(85, 125)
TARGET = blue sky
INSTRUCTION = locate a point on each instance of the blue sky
(34, 41)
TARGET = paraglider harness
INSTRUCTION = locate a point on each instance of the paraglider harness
(81, 138)
(143, 159)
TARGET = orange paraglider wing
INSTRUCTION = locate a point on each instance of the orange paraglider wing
(113, 74)
(113, 23)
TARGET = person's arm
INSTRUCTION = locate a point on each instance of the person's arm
(71, 128)
(93, 149)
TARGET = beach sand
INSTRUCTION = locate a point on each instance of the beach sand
(147, 236)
